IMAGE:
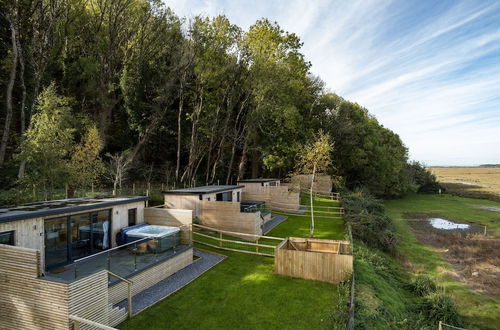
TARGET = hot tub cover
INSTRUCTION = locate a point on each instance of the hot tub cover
(153, 231)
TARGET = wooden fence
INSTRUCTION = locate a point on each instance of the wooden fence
(224, 240)
(314, 259)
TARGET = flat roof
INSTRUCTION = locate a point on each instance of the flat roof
(61, 206)
(202, 190)
(258, 180)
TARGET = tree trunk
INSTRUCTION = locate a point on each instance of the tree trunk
(255, 164)
(8, 98)
(312, 204)
(179, 127)
(22, 166)
(241, 167)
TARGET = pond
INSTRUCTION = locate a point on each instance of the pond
(440, 223)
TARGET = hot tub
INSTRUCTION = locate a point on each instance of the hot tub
(165, 237)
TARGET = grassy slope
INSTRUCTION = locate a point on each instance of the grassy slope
(242, 292)
(480, 311)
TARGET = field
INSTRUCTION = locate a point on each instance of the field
(466, 267)
(243, 293)
(477, 182)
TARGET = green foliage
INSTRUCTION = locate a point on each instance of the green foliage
(424, 179)
(85, 165)
(368, 221)
(437, 307)
(422, 284)
(49, 140)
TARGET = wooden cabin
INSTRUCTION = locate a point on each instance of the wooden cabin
(270, 191)
(220, 207)
(60, 258)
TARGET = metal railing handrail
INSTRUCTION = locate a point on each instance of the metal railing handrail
(142, 240)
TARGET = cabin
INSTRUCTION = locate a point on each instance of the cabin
(272, 192)
(220, 207)
(85, 257)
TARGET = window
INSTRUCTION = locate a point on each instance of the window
(132, 217)
(73, 237)
(7, 238)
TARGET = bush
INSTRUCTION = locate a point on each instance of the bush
(422, 285)
(437, 307)
(424, 179)
(368, 221)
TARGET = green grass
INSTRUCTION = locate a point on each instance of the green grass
(243, 293)
(481, 312)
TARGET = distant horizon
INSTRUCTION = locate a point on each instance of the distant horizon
(426, 70)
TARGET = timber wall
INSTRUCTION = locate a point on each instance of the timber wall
(277, 197)
(227, 216)
(28, 302)
(320, 265)
(322, 185)
(150, 276)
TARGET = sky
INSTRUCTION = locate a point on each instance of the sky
(428, 70)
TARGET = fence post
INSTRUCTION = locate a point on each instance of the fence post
(76, 325)
(440, 326)
(220, 239)
(257, 247)
(484, 230)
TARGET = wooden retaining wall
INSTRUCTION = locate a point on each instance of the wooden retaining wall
(320, 265)
(276, 197)
(227, 216)
(28, 302)
(322, 184)
(150, 276)
(88, 298)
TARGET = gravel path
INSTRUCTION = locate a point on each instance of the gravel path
(276, 220)
(174, 282)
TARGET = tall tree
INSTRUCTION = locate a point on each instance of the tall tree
(315, 157)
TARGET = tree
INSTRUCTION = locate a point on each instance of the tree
(49, 141)
(86, 165)
(117, 167)
(315, 157)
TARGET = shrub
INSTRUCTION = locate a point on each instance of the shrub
(368, 221)
(422, 285)
(437, 307)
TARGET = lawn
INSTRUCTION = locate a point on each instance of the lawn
(481, 312)
(242, 292)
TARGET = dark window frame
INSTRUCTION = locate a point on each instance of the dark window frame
(134, 211)
(12, 233)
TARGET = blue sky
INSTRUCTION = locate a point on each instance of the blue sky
(429, 70)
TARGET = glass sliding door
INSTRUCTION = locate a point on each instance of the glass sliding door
(81, 235)
(101, 231)
(56, 242)
(73, 237)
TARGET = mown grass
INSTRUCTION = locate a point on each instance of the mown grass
(481, 312)
(243, 293)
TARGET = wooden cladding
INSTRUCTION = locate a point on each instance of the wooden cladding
(313, 259)
(227, 216)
